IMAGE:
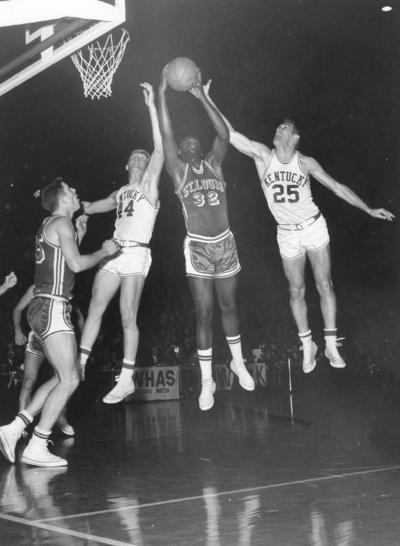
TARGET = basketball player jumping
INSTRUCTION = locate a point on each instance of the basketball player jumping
(302, 231)
(137, 206)
(57, 261)
(209, 247)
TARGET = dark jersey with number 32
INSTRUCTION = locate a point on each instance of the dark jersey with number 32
(203, 198)
(52, 274)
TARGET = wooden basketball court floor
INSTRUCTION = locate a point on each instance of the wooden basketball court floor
(254, 470)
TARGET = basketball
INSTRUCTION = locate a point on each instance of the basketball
(182, 74)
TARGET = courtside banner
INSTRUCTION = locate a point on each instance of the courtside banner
(156, 383)
(224, 377)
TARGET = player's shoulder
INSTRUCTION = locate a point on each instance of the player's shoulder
(60, 224)
(307, 163)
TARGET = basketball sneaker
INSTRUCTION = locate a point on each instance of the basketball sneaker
(309, 351)
(37, 454)
(121, 390)
(245, 379)
(64, 427)
(8, 440)
(332, 354)
(206, 398)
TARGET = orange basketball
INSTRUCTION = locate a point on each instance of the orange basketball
(182, 74)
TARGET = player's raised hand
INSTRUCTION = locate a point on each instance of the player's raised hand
(148, 93)
(206, 88)
(10, 280)
(383, 214)
(163, 82)
(81, 226)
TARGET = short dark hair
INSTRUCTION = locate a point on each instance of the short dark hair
(139, 151)
(50, 195)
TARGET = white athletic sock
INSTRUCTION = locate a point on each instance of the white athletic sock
(205, 361)
(330, 337)
(21, 421)
(235, 346)
(39, 436)
(305, 337)
(126, 370)
(84, 355)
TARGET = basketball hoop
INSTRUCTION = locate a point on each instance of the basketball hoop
(97, 64)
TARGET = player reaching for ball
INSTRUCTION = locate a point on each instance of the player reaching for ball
(302, 231)
(137, 206)
(209, 247)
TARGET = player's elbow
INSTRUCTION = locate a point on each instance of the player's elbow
(74, 265)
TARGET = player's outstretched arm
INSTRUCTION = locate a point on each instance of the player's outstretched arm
(9, 282)
(62, 229)
(102, 205)
(173, 164)
(221, 142)
(157, 157)
(19, 336)
(311, 166)
(256, 150)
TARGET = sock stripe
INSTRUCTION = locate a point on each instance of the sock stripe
(330, 332)
(302, 335)
(232, 340)
(127, 366)
(84, 350)
(24, 418)
(205, 358)
(41, 435)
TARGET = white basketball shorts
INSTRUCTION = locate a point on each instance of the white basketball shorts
(294, 244)
(134, 260)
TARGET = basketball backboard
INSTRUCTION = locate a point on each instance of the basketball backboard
(46, 31)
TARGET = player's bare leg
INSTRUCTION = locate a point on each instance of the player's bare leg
(32, 363)
(226, 292)
(203, 296)
(105, 286)
(294, 270)
(131, 292)
(61, 352)
(321, 266)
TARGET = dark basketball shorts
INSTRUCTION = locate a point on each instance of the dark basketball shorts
(34, 345)
(211, 259)
(48, 315)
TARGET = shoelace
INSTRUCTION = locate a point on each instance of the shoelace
(338, 340)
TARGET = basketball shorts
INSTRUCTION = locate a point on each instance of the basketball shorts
(134, 260)
(210, 259)
(34, 345)
(294, 244)
(47, 315)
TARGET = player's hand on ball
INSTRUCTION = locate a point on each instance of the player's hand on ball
(111, 247)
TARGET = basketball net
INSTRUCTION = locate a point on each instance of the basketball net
(97, 64)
